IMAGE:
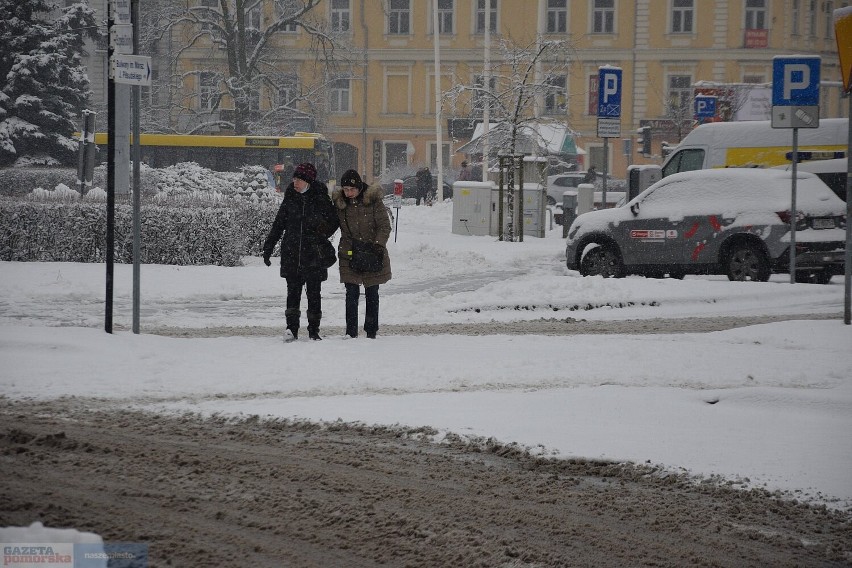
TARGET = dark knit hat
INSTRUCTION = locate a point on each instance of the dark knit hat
(351, 179)
(306, 172)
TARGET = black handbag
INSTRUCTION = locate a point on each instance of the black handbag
(326, 254)
(364, 256)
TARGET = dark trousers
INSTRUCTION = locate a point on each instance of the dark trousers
(371, 318)
(294, 300)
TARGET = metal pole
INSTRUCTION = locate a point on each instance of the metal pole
(847, 296)
(110, 202)
(605, 170)
(501, 181)
(137, 185)
(520, 204)
(436, 36)
(793, 207)
(486, 110)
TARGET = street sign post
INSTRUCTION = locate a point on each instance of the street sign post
(609, 113)
(397, 202)
(795, 91)
(795, 104)
(843, 34)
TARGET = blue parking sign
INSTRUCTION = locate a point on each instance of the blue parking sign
(609, 92)
(705, 106)
(795, 81)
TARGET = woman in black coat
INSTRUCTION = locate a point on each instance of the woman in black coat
(305, 221)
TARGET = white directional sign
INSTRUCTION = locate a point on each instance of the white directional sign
(121, 39)
(795, 91)
(121, 11)
(131, 69)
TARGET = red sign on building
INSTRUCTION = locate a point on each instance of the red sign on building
(756, 39)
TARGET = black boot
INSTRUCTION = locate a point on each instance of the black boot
(292, 317)
(314, 325)
(353, 292)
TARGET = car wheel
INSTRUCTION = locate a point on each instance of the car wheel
(746, 262)
(603, 260)
(551, 201)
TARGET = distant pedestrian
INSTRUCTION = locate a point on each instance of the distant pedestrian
(363, 216)
(305, 221)
(424, 185)
(464, 173)
(591, 175)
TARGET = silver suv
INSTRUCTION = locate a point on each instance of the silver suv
(722, 221)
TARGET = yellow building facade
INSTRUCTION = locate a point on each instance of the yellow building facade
(379, 107)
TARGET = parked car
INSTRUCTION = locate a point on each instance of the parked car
(721, 221)
(409, 187)
(559, 183)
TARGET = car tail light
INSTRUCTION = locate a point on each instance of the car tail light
(801, 222)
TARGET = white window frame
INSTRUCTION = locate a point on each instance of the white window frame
(795, 16)
(478, 81)
(340, 95)
(556, 17)
(684, 94)
(340, 17)
(551, 96)
(603, 14)
(399, 18)
(756, 14)
(287, 89)
(812, 16)
(433, 155)
(208, 90)
(254, 17)
(446, 17)
(828, 8)
(290, 28)
(479, 16)
(683, 16)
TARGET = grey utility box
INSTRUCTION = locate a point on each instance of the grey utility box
(641, 177)
(472, 207)
(533, 211)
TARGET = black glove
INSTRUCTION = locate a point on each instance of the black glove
(266, 260)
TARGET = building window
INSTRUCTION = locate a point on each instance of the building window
(341, 16)
(433, 156)
(212, 10)
(280, 14)
(754, 79)
(679, 95)
(603, 17)
(288, 90)
(339, 93)
(683, 14)
(399, 17)
(207, 91)
(480, 15)
(253, 18)
(445, 17)
(755, 15)
(828, 7)
(479, 96)
(812, 13)
(556, 97)
(794, 16)
(557, 16)
(396, 155)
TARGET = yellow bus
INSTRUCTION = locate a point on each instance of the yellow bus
(230, 153)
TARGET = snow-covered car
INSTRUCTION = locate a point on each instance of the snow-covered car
(721, 221)
(558, 184)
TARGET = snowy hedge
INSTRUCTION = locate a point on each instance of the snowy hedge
(75, 231)
(190, 215)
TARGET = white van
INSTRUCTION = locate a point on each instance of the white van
(832, 172)
(753, 144)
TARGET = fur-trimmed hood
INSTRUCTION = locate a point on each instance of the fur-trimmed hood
(368, 196)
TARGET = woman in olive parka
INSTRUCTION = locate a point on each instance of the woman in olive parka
(363, 216)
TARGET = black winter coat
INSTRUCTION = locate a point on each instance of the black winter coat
(304, 223)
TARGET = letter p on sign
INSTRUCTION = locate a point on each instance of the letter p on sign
(796, 78)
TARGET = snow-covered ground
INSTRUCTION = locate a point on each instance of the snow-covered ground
(768, 405)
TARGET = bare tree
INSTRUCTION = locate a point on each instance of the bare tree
(243, 57)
